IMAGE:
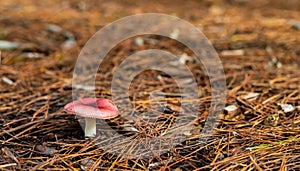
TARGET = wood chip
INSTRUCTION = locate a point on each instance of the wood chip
(238, 52)
(7, 80)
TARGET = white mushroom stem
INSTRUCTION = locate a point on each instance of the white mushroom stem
(90, 127)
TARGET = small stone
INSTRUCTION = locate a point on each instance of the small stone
(295, 24)
(130, 128)
(53, 28)
(251, 96)
(279, 65)
(70, 42)
(174, 34)
(139, 41)
(6, 45)
(184, 58)
(84, 87)
(32, 55)
(231, 110)
(235, 133)
(286, 107)
(7, 80)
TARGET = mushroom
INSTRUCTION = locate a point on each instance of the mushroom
(92, 109)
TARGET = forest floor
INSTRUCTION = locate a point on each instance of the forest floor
(258, 43)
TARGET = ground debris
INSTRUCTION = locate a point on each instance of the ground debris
(6, 45)
(258, 129)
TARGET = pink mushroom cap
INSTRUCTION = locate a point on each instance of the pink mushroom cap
(99, 108)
